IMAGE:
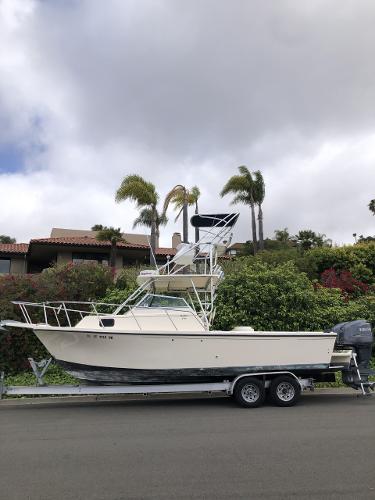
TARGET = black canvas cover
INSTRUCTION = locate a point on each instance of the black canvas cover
(211, 220)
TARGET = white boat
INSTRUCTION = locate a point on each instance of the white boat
(157, 337)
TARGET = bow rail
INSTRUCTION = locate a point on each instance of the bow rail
(62, 311)
(63, 315)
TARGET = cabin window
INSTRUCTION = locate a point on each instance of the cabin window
(107, 321)
(163, 301)
(4, 266)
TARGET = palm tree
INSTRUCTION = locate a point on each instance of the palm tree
(259, 194)
(182, 198)
(146, 217)
(135, 188)
(307, 239)
(371, 206)
(114, 235)
(243, 187)
(282, 235)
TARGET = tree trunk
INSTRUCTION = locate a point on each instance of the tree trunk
(153, 243)
(157, 235)
(254, 228)
(260, 224)
(197, 228)
(185, 217)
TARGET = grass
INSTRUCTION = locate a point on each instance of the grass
(54, 376)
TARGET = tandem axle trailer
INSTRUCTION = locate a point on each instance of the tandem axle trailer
(248, 389)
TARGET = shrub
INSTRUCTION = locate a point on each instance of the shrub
(281, 298)
(67, 282)
(345, 281)
(304, 262)
(359, 259)
(125, 284)
(127, 278)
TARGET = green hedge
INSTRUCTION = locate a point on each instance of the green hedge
(358, 259)
(282, 298)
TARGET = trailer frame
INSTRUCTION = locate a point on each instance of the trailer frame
(226, 386)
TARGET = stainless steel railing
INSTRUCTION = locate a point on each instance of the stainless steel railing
(69, 316)
(62, 311)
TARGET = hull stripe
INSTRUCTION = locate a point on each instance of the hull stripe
(224, 334)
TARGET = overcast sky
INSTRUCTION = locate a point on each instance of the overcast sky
(183, 92)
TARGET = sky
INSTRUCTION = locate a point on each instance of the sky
(183, 93)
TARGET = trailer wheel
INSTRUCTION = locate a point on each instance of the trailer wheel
(284, 391)
(249, 392)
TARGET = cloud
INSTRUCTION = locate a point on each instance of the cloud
(184, 92)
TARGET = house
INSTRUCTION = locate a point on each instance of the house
(236, 249)
(13, 258)
(76, 246)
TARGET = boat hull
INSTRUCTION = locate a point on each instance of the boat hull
(110, 375)
(106, 356)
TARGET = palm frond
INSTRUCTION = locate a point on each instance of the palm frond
(111, 234)
(237, 183)
(172, 195)
(144, 218)
(241, 198)
(162, 219)
(179, 199)
(135, 188)
(259, 190)
(245, 172)
(194, 194)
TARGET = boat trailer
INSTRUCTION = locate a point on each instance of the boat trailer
(248, 389)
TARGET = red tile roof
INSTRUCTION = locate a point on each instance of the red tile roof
(83, 241)
(17, 248)
(93, 242)
(165, 251)
(22, 248)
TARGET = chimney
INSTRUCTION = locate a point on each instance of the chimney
(176, 239)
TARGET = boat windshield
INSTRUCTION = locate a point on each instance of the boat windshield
(150, 300)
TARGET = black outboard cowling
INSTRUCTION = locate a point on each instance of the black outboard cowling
(358, 336)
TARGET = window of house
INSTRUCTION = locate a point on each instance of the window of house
(4, 266)
(83, 257)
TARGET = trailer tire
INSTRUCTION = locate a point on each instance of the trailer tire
(284, 391)
(249, 392)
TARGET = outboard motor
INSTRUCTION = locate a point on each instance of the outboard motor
(356, 335)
